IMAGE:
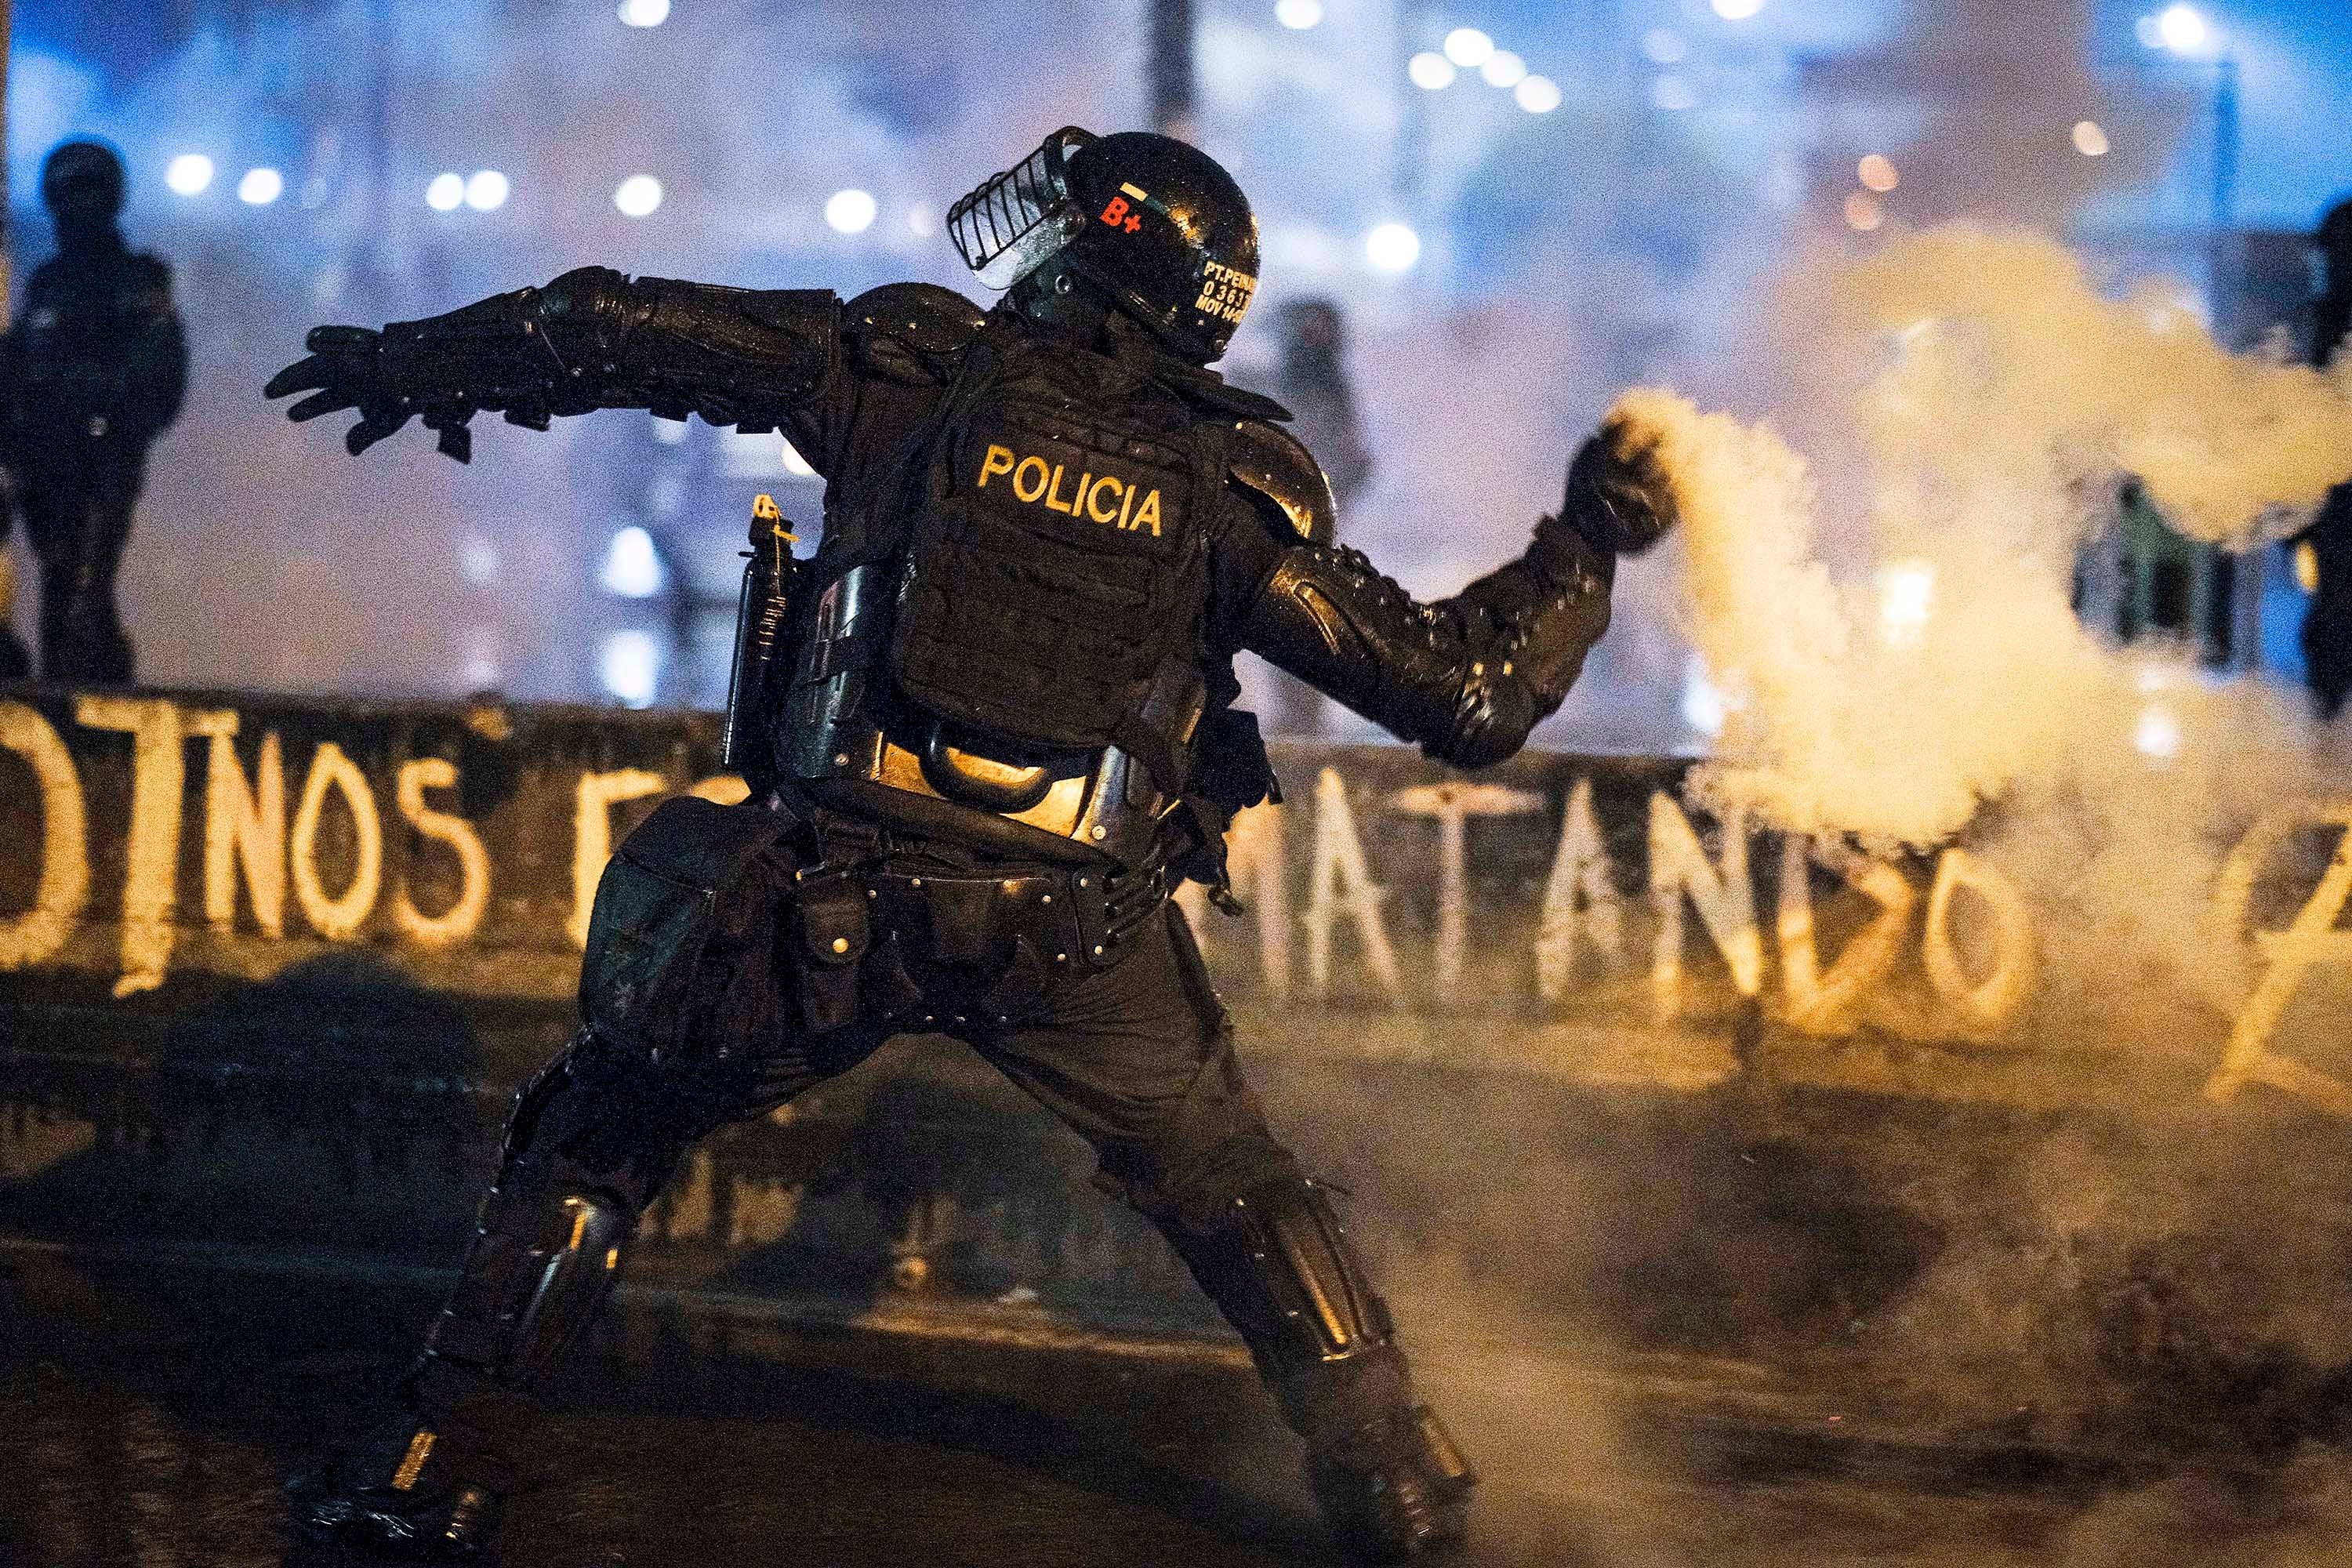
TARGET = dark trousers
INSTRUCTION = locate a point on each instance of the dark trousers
(1137, 1058)
(78, 500)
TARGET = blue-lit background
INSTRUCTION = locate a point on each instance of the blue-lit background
(1520, 208)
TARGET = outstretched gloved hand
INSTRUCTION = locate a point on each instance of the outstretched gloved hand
(345, 370)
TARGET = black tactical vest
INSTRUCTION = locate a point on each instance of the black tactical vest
(1054, 563)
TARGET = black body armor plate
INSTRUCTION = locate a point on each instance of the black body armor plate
(1054, 563)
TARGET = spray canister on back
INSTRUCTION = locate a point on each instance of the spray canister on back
(762, 624)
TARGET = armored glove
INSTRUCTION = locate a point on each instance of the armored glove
(1619, 497)
(409, 371)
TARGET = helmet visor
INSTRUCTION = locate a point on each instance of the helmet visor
(1006, 226)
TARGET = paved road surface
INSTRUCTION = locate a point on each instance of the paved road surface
(147, 1414)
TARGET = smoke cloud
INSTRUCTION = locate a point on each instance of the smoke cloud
(1989, 401)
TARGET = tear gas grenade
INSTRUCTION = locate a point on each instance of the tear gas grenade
(763, 622)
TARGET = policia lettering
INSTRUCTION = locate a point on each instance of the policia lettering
(1100, 498)
(1048, 531)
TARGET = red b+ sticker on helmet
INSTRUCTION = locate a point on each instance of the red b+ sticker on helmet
(1119, 216)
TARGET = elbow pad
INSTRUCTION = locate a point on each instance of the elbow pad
(1326, 616)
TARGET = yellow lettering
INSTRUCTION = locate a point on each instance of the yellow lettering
(1100, 485)
(244, 823)
(591, 832)
(158, 773)
(465, 914)
(998, 460)
(1148, 515)
(1025, 492)
(63, 890)
(1053, 494)
(338, 917)
(1126, 504)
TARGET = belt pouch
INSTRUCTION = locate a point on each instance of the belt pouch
(833, 934)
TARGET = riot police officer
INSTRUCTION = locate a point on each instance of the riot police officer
(93, 372)
(994, 721)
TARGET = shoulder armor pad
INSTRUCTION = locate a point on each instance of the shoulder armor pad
(1275, 465)
(920, 317)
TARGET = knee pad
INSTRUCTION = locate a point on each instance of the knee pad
(1279, 1264)
(537, 1274)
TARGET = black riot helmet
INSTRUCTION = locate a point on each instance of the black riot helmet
(82, 184)
(1155, 225)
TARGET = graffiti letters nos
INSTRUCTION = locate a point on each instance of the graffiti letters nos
(316, 846)
(254, 853)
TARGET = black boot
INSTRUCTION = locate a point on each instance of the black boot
(1390, 1481)
(431, 1480)
(407, 1490)
(1395, 1489)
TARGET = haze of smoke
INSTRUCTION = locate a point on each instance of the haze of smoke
(1996, 399)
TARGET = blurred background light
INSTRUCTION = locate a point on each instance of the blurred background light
(1503, 69)
(639, 195)
(1538, 94)
(188, 173)
(2183, 29)
(850, 211)
(486, 190)
(1863, 212)
(1468, 47)
(629, 666)
(1907, 599)
(260, 187)
(1430, 71)
(644, 13)
(446, 193)
(797, 464)
(1392, 248)
(1674, 93)
(633, 567)
(1704, 705)
(1298, 14)
(2158, 733)
(1663, 45)
(1877, 173)
(2090, 139)
(1737, 10)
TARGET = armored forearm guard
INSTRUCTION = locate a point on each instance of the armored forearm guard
(593, 339)
(1468, 676)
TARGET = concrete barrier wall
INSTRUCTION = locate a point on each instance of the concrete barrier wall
(269, 966)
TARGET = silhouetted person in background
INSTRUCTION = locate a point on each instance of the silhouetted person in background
(92, 373)
(2328, 624)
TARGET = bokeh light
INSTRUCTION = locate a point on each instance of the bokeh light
(1877, 173)
(644, 13)
(1298, 14)
(1737, 10)
(486, 190)
(188, 173)
(260, 187)
(849, 212)
(1468, 47)
(2090, 139)
(1503, 69)
(446, 193)
(1430, 71)
(1863, 212)
(639, 195)
(1538, 94)
(1392, 248)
